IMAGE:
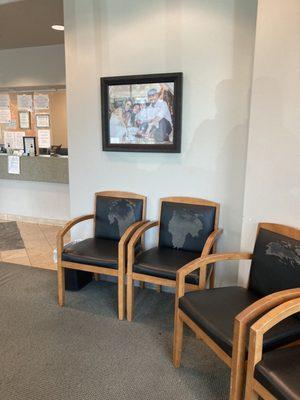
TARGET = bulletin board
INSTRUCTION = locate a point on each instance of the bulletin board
(56, 111)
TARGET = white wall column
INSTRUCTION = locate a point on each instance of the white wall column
(272, 188)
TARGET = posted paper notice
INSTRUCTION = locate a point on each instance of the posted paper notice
(44, 138)
(41, 101)
(4, 100)
(5, 116)
(13, 165)
(14, 140)
(24, 102)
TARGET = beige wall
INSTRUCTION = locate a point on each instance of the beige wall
(58, 118)
(211, 42)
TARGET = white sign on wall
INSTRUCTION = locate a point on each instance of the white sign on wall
(4, 100)
(24, 102)
(44, 139)
(5, 116)
(41, 101)
(13, 140)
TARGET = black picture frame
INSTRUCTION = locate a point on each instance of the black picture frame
(27, 142)
(169, 80)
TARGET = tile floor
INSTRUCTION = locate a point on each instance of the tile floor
(39, 242)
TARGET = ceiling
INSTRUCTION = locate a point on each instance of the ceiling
(27, 23)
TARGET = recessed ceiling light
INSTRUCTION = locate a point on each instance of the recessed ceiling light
(58, 27)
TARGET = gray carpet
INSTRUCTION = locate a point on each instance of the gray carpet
(10, 237)
(82, 351)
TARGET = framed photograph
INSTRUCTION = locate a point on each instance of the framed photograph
(42, 120)
(29, 143)
(142, 113)
(24, 119)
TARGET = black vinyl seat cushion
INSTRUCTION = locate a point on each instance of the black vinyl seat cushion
(163, 262)
(93, 251)
(279, 373)
(214, 311)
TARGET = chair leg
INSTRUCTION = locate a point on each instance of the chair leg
(61, 285)
(238, 368)
(121, 296)
(237, 384)
(130, 297)
(177, 340)
(251, 395)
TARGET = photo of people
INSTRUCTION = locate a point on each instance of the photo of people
(141, 113)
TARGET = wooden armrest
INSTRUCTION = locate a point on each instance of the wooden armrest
(265, 304)
(73, 222)
(276, 315)
(211, 240)
(244, 318)
(122, 250)
(201, 263)
(135, 238)
(61, 233)
(140, 232)
(130, 231)
(259, 328)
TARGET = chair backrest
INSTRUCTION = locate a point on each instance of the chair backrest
(116, 211)
(186, 223)
(276, 259)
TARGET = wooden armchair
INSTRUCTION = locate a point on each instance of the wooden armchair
(274, 375)
(117, 216)
(188, 229)
(221, 316)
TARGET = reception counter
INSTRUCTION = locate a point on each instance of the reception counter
(38, 169)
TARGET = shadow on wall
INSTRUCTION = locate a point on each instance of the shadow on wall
(217, 154)
(219, 146)
(272, 167)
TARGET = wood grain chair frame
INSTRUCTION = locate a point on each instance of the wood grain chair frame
(254, 389)
(238, 361)
(122, 250)
(210, 246)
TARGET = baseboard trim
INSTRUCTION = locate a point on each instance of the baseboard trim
(32, 220)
